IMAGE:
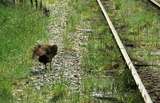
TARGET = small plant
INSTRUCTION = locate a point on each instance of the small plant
(60, 91)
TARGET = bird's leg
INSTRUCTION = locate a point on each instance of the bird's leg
(45, 66)
(51, 65)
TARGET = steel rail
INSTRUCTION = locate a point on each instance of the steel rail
(155, 2)
(128, 61)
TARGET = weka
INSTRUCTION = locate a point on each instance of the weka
(45, 53)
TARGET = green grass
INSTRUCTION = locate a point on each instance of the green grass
(20, 29)
(140, 25)
(72, 21)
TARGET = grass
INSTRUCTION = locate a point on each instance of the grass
(20, 29)
(72, 21)
(141, 25)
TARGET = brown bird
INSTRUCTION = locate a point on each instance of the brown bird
(44, 53)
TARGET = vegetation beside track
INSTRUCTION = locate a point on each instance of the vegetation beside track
(20, 29)
(140, 26)
(138, 22)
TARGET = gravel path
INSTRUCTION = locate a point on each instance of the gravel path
(66, 64)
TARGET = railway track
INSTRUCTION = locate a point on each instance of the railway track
(156, 2)
(145, 73)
